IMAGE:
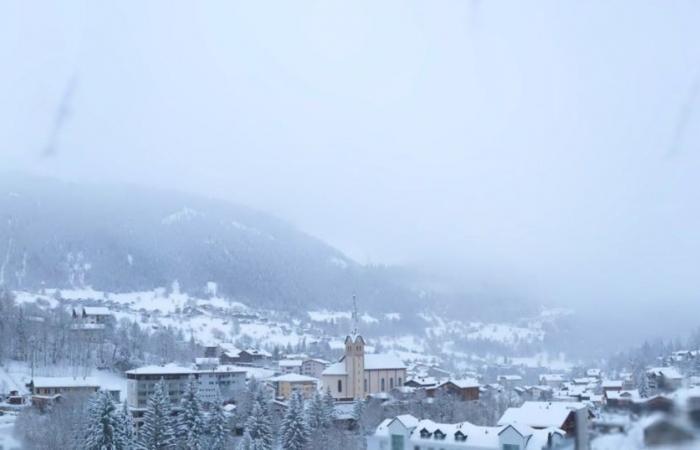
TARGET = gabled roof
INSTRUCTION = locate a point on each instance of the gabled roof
(540, 414)
(294, 378)
(462, 383)
(96, 311)
(60, 382)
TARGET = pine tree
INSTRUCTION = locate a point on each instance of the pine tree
(328, 408)
(103, 426)
(294, 430)
(259, 428)
(315, 413)
(358, 410)
(126, 436)
(216, 426)
(157, 431)
(191, 423)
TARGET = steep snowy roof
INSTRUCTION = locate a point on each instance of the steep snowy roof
(335, 369)
(540, 414)
(174, 369)
(59, 382)
(383, 361)
(290, 363)
(667, 372)
(294, 378)
(463, 383)
(96, 311)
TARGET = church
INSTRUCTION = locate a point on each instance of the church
(357, 374)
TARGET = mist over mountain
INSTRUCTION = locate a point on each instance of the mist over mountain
(120, 238)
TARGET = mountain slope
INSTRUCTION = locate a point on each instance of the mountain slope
(120, 239)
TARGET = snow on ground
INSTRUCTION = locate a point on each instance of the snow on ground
(7, 440)
(328, 316)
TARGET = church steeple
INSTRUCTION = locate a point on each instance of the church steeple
(355, 357)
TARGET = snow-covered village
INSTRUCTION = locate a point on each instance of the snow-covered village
(349, 225)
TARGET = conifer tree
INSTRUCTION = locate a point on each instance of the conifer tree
(216, 425)
(191, 420)
(259, 428)
(157, 431)
(358, 410)
(294, 432)
(328, 408)
(103, 426)
(127, 437)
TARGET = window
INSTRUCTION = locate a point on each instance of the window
(340, 385)
(400, 383)
(439, 435)
(366, 385)
(396, 442)
(382, 384)
(391, 383)
(511, 447)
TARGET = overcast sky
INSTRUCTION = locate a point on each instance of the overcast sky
(552, 144)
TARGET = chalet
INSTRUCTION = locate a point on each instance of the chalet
(621, 399)
(290, 366)
(664, 378)
(552, 380)
(230, 354)
(611, 385)
(314, 367)
(466, 389)
(285, 385)
(657, 403)
(48, 390)
(510, 381)
(408, 433)
(667, 432)
(91, 317)
(543, 415)
(421, 382)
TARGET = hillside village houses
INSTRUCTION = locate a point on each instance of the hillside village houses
(409, 433)
(91, 317)
(285, 385)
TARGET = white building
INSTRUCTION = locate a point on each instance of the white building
(358, 374)
(408, 433)
(141, 382)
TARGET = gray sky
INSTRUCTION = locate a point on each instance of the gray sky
(554, 144)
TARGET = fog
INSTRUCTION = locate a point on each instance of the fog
(550, 147)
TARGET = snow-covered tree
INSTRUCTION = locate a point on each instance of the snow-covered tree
(103, 426)
(191, 421)
(315, 413)
(259, 428)
(157, 431)
(294, 432)
(126, 436)
(358, 410)
(216, 425)
(328, 408)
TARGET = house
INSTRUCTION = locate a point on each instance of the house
(510, 381)
(421, 382)
(543, 415)
(408, 433)
(552, 380)
(285, 385)
(230, 354)
(668, 432)
(141, 382)
(91, 318)
(290, 366)
(664, 378)
(611, 385)
(621, 399)
(465, 389)
(62, 386)
(593, 373)
(314, 367)
(358, 374)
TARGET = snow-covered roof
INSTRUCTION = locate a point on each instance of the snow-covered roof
(290, 363)
(623, 395)
(552, 377)
(613, 384)
(463, 383)
(96, 311)
(335, 369)
(510, 377)
(667, 372)
(380, 361)
(174, 369)
(540, 414)
(59, 382)
(294, 378)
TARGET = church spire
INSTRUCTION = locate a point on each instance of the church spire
(354, 316)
